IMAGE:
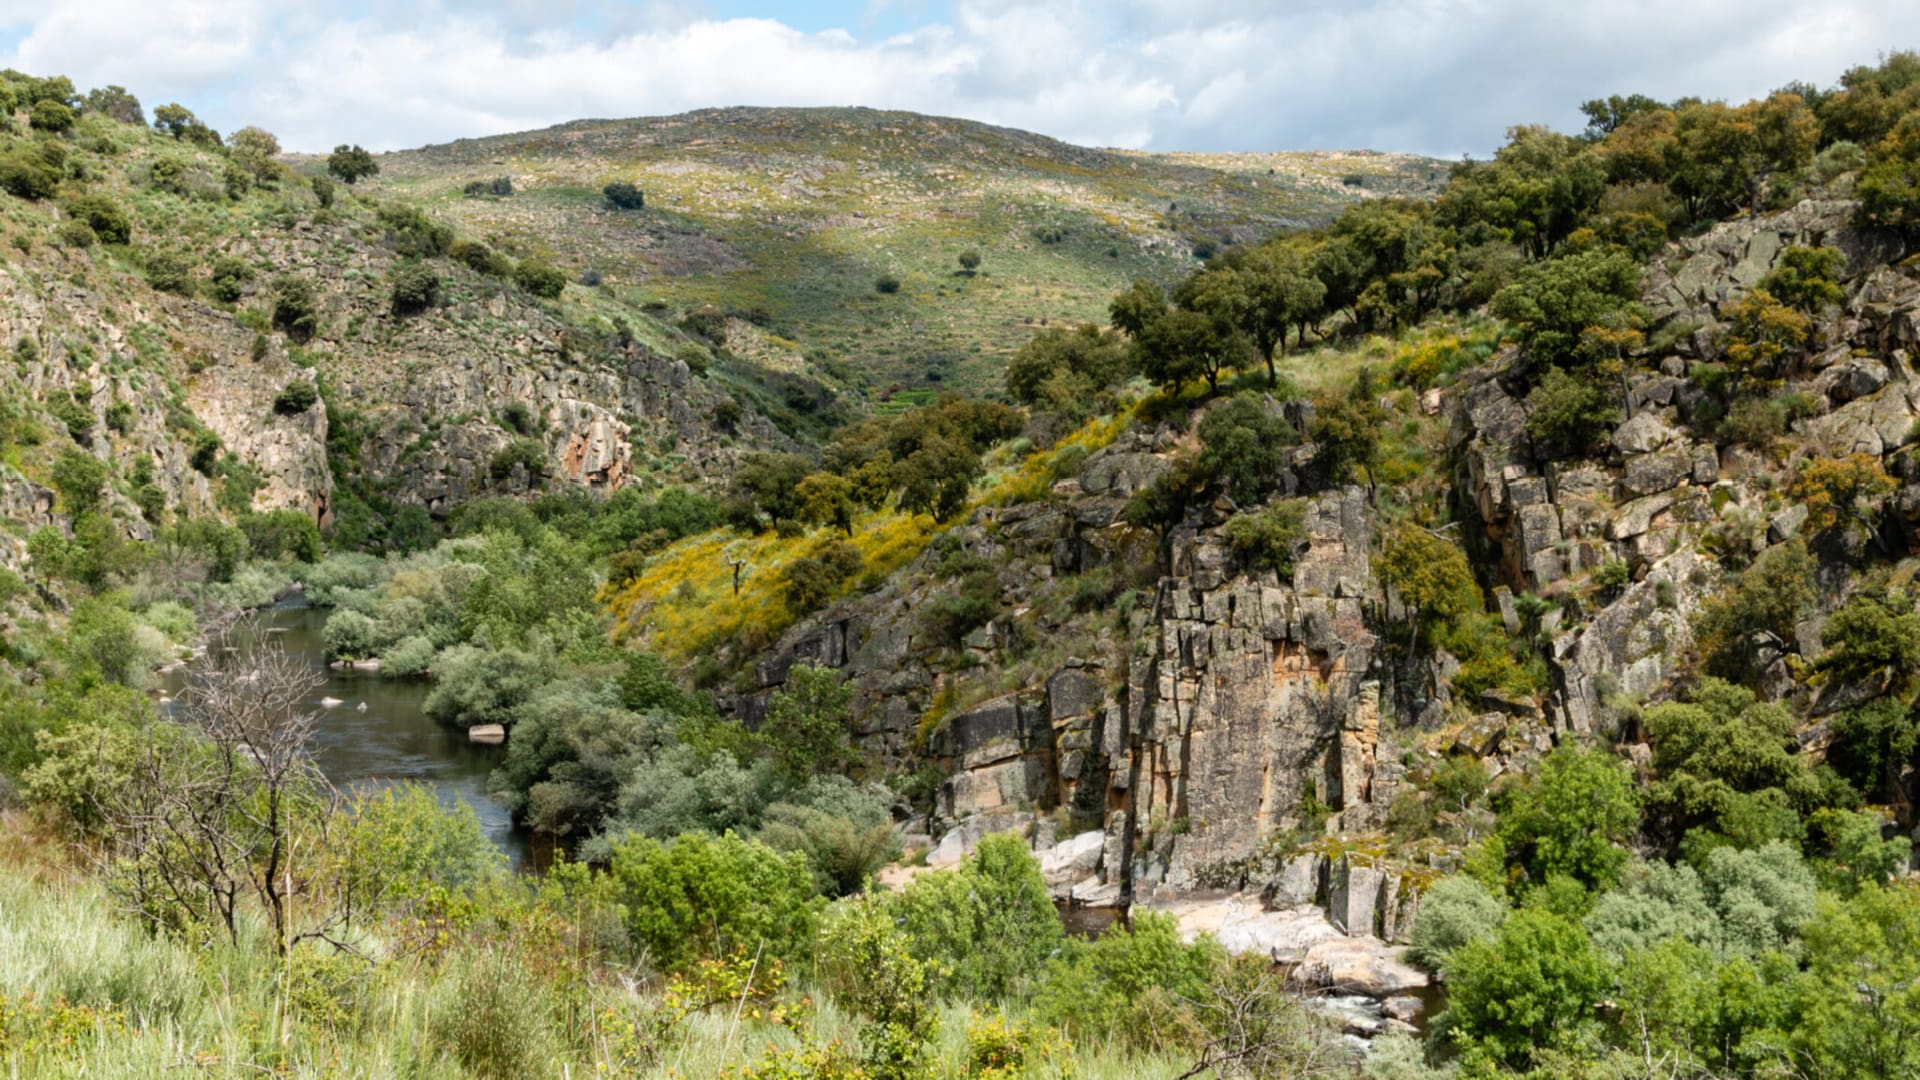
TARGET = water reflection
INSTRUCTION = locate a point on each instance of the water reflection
(390, 740)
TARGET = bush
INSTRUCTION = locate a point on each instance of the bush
(27, 175)
(970, 260)
(107, 220)
(529, 454)
(812, 580)
(322, 190)
(949, 618)
(480, 258)
(542, 279)
(1269, 537)
(351, 164)
(990, 922)
(296, 306)
(1099, 990)
(416, 287)
(624, 196)
(281, 533)
(295, 398)
(483, 686)
(1568, 414)
(501, 186)
(1454, 912)
(80, 479)
(230, 277)
(351, 635)
(1531, 988)
(886, 284)
(495, 1017)
(75, 233)
(705, 896)
(170, 272)
(50, 115)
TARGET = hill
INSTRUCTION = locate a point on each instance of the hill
(787, 218)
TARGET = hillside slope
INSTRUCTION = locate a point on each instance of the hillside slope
(790, 216)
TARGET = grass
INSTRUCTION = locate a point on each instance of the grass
(85, 992)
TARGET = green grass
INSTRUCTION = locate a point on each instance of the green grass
(132, 1004)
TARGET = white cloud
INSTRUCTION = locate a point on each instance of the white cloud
(1440, 76)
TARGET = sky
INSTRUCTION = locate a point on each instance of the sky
(1441, 77)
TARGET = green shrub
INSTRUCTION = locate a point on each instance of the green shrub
(1269, 537)
(27, 175)
(109, 222)
(1569, 414)
(79, 478)
(230, 278)
(812, 580)
(1531, 988)
(886, 284)
(50, 115)
(480, 258)
(413, 234)
(530, 454)
(75, 233)
(296, 306)
(416, 287)
(351, 163)
(705, 896)
(1454, 911)
(622, 195)
(496, 1018)
(950, 617)
(500, 186)
(1099, 990)
(170, 272)
(295, 398)
(990, 922)
(286, 532)
(484, 686)
(540, 278)
(322, 190)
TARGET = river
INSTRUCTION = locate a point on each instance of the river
(390, 740)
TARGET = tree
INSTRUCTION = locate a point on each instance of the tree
(1529, 989)
(1761, 333)
(1345, 430)
(1553, 302)
(1430, 575)
(1572, 818)
(1245, 447)
(1454, 912)
(1140, 306)
(1538, 189)
(1806, 278)
(1066, 370)
(991, 922)
(52, 116)
(295, 398)
(351, 163)
(1184, 344)
(103, 216)
(255, 149)
(1841, 490)
(969, 260)
(296, 306)
(175, 119)
(80, 478)
(1768, 598)
(826, 499)
(622, 195)
(1605, 115)
(1726, 763)
(866, 963)
(416, 287)
(540, 278)
(115, 103)
(1889, 189)
(808, 721)
(195, 833)
(1568, 414)
(704, 896)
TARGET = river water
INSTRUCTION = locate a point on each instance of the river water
(391, 740)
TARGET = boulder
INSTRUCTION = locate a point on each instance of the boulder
(487, 734)
(1359, 965)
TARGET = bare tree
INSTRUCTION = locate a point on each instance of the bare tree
(208, 821)
(1250, 1025)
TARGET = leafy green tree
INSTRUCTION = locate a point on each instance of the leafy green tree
(52, 116)
(1182, 345)
(1140, 306)
(1732, 153)
(990, 923)
(1569, 414)
(104, 216)
(1843, 490)
(350, 163)
(1573, 818)
(809, 723)
(1605, 115)
(1431, 576)
(1531, 988)
(28, 175)
(416, 287)
(1065, 370)
(1538, 189)
(970, 260)
(1245, 447)
(1859, 1001)
(1552, 303)
(115, 103)
(1454, 912)
(1806, 278)
(296, 306)
(1768, 597)
(867, 964)
(81, 479)
(704, 896)
(1107, 988)
(826, 499)
(175, 119)
(1726, 763)
(1345, 430)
